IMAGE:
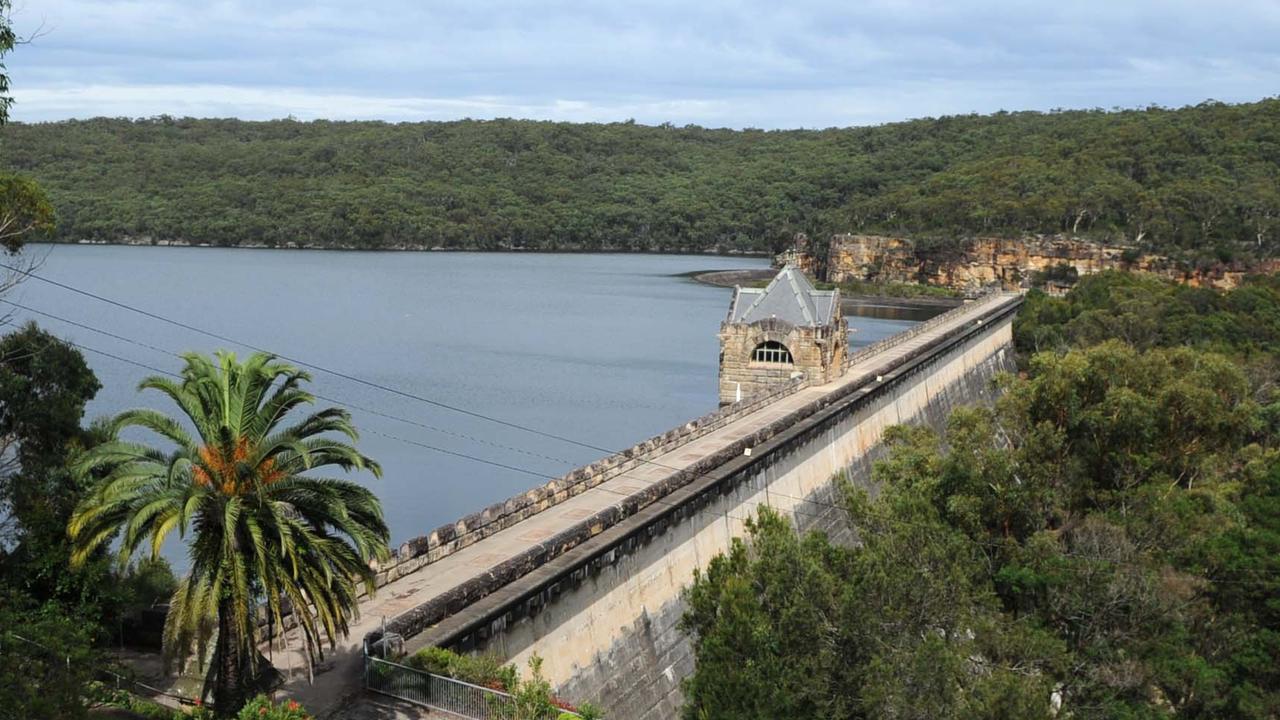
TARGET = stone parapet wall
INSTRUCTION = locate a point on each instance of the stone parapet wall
(740, 374)
(445, 540)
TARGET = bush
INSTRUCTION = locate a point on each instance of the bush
(533, 697)
(262, 708)
(484, 670)
(149, 582)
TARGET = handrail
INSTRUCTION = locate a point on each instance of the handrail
(916, 330)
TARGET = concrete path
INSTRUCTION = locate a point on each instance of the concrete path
(337, 680)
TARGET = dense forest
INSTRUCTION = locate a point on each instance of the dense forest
(1191, 180)
(1104, 542)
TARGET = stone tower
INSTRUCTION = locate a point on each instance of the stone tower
(786, 330)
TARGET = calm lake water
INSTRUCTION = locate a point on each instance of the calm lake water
(604, 349)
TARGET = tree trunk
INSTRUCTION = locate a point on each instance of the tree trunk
(228, 686)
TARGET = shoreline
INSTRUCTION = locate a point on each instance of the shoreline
(730, 278)
(412, 248)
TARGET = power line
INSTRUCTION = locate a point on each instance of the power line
(313, 366)
(348, 404)
(466, 456)
(375, 432)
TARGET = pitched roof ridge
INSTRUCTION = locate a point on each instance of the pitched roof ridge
(800, 289)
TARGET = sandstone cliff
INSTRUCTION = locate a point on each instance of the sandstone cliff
(1008, 263)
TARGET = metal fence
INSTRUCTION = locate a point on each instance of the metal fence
(448, 695)
(933, 322)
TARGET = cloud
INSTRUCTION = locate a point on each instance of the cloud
(717, 62)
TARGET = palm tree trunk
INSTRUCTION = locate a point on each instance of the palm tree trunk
(228, 689)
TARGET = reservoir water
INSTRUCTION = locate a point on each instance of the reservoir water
(604, 349)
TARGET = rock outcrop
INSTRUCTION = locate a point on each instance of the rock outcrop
(1009, 263)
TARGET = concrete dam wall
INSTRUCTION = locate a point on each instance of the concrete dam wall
(604, 615)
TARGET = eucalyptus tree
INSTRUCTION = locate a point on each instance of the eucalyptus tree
(266, 533)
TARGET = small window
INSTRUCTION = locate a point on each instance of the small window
(772, 352)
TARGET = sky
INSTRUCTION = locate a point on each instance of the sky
(718, 63)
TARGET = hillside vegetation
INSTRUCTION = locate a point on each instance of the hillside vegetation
(1200, 179)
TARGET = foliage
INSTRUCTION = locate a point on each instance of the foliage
(484, 670)
(25, 212)
(1187, 181)
(532, 697)
(104, 696)
(149, 581)
(7, 40)
(1148, 312)
(1060, 274)
(789, 626)
(262, 708)
(1102, 543)
(44, 680)
(262, 530)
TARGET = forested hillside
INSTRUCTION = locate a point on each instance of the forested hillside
(1195, 180)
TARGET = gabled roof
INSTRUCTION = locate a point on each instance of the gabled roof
(789, 297)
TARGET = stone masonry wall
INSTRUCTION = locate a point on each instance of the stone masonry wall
(817, 353)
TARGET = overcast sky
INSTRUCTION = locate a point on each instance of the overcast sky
(773, 64)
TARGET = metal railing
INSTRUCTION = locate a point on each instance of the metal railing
(447, 695)
(918, 329)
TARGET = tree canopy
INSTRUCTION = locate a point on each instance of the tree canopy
(1203, 179)
(264, 528)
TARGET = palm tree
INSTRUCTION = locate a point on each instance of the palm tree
(262, 533)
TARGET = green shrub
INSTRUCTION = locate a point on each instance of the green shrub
(533, 697)
(150, 581)
(484, 670)
(262, 708)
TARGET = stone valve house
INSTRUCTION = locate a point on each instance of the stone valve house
(787, 330)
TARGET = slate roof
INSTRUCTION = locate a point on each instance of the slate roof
(789, 297)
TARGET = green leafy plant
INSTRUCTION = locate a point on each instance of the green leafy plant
(262, 708)
(266, 528)
(484, 670)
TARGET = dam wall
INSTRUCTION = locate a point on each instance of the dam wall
(604, 615)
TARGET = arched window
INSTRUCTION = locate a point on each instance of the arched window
(772, 352)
